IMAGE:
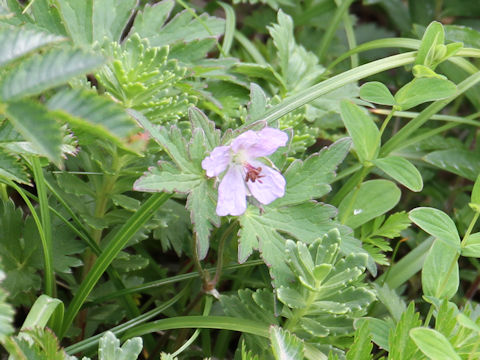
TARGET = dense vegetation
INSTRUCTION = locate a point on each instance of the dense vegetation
(273, 179)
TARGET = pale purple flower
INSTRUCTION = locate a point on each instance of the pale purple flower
(244, 174)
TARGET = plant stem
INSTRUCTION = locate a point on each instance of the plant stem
(332, 28)
(221, 246)
(50, 288)
(206, 311)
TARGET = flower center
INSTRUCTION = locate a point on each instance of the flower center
(253, 173)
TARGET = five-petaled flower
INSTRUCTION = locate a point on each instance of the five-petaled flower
(244, 174)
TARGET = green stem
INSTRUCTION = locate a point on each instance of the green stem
(385, 122)
(457, 255)
(3, 192)
(117, 330)
(206, 311)
(332, 28)
(172, 280)
(50, 288)
(429, 316)
(116, 244)
(221, 246)
(352, 41)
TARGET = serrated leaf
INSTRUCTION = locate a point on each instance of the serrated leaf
(38, 126)
(373, 198)
(285, 345)
(458, 161)
(77, 18)
(438, 224)
(20, 258)
(109, 348)
(258, 103)
(439, 278)
(188, 177)
(47, 17)
(12, 169)
(362, 346)
(362, 130)
(377, 93)
(400, 343)
(394, 224)
(306, 222)
(6, 313)
(310, 179)
(200, 121)
(110, 18)
(89, 114)
(299, 68)
(433, 344)
(402, 171)
(201, 203)
(150, 24)
(422, 90)
(167, 177)
(42, 72)
(17, 42)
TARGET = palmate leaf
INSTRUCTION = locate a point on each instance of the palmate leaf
(299, 67)
(90, 115)
(77, 18)
(150, 24)
(20, 259)
(110, 18)
(362, 345)
(400, 343)
(42, 72)
(186, 175)
(296, 214)
(38, 126)
(109, 348)
(17, 42)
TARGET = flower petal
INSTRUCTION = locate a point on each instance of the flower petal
(271, 187)
(217, 162)
(232, 193)
(260, 143)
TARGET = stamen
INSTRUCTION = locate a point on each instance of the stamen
(253, 173)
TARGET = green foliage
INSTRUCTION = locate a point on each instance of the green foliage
(285, 345)
(42, 72)
(109, 348)
(93, 94)
(143, 78)
(185, 175)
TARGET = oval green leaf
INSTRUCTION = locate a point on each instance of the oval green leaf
(436, 223)
(373, 198)
(377, 93)
(433, 344)
(471, 247)
(422, 90)
(435, 270)
(362, 130)
(402, 171)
